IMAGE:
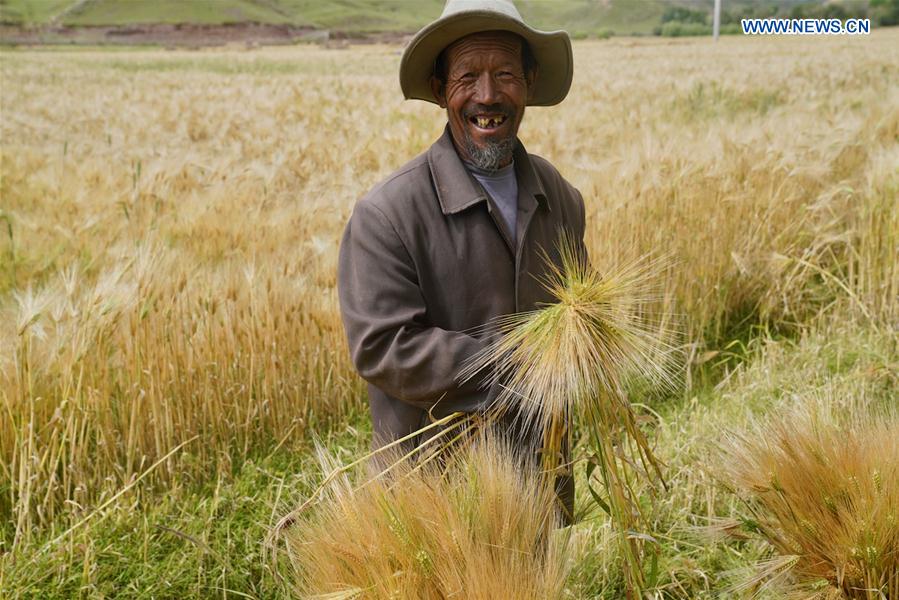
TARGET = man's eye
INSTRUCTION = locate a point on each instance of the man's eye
(468, 76)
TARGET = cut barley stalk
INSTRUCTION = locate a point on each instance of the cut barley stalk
(821, 485)
(474, 526)
(577, 357)
(289, 519)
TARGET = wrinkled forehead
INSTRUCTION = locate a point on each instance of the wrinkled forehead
(495, 44)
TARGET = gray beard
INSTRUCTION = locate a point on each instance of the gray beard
(492, 156)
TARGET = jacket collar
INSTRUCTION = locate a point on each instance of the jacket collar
(456, 188)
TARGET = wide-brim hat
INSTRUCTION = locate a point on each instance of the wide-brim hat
(551, 49)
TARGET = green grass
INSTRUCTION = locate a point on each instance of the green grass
(365, 15)
(206, 538)
(580, 17)
(203, 540)
(31, 11)
(586, 17)
(838, 363)
(124, 12)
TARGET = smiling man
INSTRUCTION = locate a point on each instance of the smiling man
(454, 238)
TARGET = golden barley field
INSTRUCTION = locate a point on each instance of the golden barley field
(169, 334)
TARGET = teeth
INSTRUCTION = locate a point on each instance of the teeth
(485, 122)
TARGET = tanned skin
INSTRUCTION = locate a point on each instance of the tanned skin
(485, 79)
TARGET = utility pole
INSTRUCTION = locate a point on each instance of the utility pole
(716, 20)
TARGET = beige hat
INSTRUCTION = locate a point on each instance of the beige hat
(551, 49)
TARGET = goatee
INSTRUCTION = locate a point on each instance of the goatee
(493, 155)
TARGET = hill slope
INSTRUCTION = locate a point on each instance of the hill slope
(576, 16)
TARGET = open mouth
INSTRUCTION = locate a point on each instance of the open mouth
(487, 122)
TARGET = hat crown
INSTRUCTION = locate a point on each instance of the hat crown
(503, 7)
(551, 49)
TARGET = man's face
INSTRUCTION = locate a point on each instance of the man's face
(485, 94)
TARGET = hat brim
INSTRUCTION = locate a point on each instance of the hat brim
(551, 49)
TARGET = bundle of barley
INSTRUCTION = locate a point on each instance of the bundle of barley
(576, 358)
(474, 527)
(475, 523)
(823, 490)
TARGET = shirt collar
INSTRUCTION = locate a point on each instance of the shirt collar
(502, 173)
(456, 188)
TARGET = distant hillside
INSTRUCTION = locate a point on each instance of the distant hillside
(579, 17)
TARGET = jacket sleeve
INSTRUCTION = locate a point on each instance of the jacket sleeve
(384, 314)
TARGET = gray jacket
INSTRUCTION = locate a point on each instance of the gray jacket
(425, 259)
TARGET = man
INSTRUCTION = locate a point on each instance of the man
(453, 239)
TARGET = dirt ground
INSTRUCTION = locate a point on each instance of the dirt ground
(186, 35)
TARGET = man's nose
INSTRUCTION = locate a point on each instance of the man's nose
(486, 90)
